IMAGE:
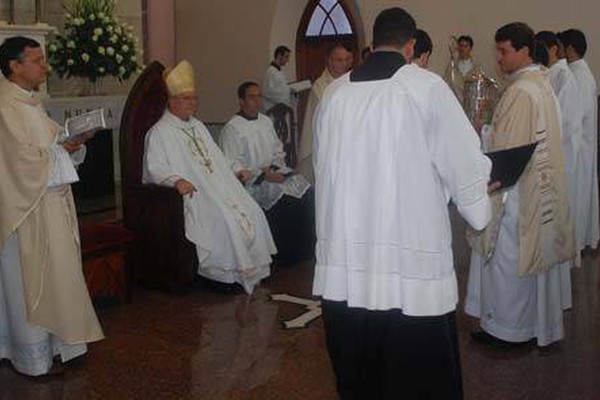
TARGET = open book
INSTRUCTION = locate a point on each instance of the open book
(300, 86)
(89, 122)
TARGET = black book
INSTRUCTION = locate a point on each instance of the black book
(509, 164)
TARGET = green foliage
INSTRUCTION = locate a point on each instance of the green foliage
(93, 43)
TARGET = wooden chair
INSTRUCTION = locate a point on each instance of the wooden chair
(163, 257)
(283, 118)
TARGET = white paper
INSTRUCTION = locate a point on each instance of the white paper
(300, 86)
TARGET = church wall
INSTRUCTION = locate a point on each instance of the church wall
(229, 41)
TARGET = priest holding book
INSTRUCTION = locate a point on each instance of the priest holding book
(515, 286)
(45, 307)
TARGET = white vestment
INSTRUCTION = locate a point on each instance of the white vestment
(252, 144)
(305, 166)
(275, 88)
(569, 97)
(511, 307)
(465, 66)
(229, 229)
(389, 155)
(589, 153)
(31, 348)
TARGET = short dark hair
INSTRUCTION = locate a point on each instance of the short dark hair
(393, 26)
(519, 34)
(541, 55)
(423, 44)
(13, 48)
(547, 38)
(466, 38)
(243, 88)
(338, 45)
(576, 39)
(281, 50)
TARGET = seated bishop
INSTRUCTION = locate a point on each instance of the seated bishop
(230, 231)
(256, 155)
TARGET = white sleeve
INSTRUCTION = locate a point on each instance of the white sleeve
(62, 171)
(232, 148)
(463, 168)
(156, 163)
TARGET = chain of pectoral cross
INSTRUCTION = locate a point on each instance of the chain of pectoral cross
(201, 148)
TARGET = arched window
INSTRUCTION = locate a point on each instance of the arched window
(329, 19)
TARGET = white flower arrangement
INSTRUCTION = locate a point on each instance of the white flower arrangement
(93, 43)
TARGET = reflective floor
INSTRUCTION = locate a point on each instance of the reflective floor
(208, 345)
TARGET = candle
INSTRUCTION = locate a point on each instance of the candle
(38, 11)
(11, 11)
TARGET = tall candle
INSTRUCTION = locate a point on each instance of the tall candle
(38, 11)
(11, 11)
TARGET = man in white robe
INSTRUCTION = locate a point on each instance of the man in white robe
(567, 92)
(45, 307)
(392, 148)
(250, 144)
(339, 61)
(516, 276)
(275, 82)
(575, 46)
(230, 231)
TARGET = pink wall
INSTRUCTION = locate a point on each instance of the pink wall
(160, 31)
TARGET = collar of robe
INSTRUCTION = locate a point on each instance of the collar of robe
(274, 64)
(379, 66)
(247, 117)
(178, 122)
(11, 89)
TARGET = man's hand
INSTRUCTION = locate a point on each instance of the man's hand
(72, 145)
(185, 187)
(273, 176)
(494, 186)
(244, 175)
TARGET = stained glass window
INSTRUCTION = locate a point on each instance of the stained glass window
(329, 19)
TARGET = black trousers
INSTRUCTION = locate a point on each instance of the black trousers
(388, 355)
(292, 223)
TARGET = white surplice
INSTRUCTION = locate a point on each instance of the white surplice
(383, 183)
(567, 92)
(275, 88)
(589, 153)
(230, 231)
(31, 348)
(252, 144)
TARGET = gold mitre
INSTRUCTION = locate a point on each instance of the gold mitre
(180, 79)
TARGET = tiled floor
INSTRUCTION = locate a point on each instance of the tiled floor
(214, 346)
